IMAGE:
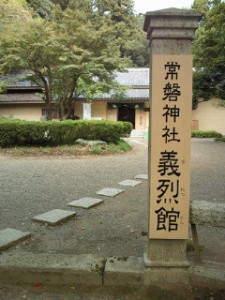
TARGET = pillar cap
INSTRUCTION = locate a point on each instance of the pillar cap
(171, 23)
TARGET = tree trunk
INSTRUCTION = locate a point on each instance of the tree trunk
(48, 97)
(67, 109)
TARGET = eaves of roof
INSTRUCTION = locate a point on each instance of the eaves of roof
(19, 98)
(132, 77)
(32, 98)
(130, 94)
(135, 79)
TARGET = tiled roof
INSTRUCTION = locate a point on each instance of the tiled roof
(138, 94)
(18, 80)
(20, 98)
(137, 82)
(130, 94)
(133, 77)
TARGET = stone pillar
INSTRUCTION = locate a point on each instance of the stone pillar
(170, 33)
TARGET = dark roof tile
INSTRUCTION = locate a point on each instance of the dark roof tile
(20, 98)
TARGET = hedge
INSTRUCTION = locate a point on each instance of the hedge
(205, 134)
(53, 133)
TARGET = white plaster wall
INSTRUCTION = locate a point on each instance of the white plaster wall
(98, 109)
(210, 116)
(23, 112)
(140, 119)
(112, 114)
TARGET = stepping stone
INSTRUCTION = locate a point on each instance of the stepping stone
(55, 216)
(10, 237)
(109, 192)
(86, 202)
(141, 176)
(129, 182)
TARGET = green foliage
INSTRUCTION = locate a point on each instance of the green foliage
(2, 87)
(70, 54)
(221, 103)
(13, 15)
(205, 134)
(119, 146)
(222, 139)
(202, 6)
(209, 58)
(202, 86)
(42, 8)
(74, 50)
(137, 49)
(125, 29)
(123, 146)
(31, 133)
(62, 3)
(96, 150)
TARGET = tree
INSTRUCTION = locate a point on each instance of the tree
(62, 3)
(126, 29)
(76, 51)
(121, 19)
(137, 49)
(36, 50)
(42, 8)
(13, 15)
(90, 57)
(209, 45)
(66, 55)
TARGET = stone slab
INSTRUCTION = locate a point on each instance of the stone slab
(58, 269)
(167, 277)
(10, 237)
(109, 192)
(93, 270)
(141, 176)
(129, 182)
(124, 271)
(207, 213)
(55, 216)
(210, 274)
(86, 202)
(89, 142)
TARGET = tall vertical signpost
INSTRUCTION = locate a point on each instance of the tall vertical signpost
(170, 33)
(170, 146)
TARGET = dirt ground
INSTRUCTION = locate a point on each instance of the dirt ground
(34, 185)
(105, 293)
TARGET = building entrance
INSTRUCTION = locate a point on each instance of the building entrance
(126, 113)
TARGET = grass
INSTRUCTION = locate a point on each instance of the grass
(96, 149)
(119, 147)
(68, 150)
(205, 134)
(220, 139)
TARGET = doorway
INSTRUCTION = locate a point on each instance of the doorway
(126, 114)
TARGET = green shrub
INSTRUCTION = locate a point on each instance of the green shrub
(118, 147)
(96, 149)
(52, 133)
(222, 139)
(113, 148)
(123, 146)
(205, 134)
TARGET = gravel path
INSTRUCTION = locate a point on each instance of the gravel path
(31, 186)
